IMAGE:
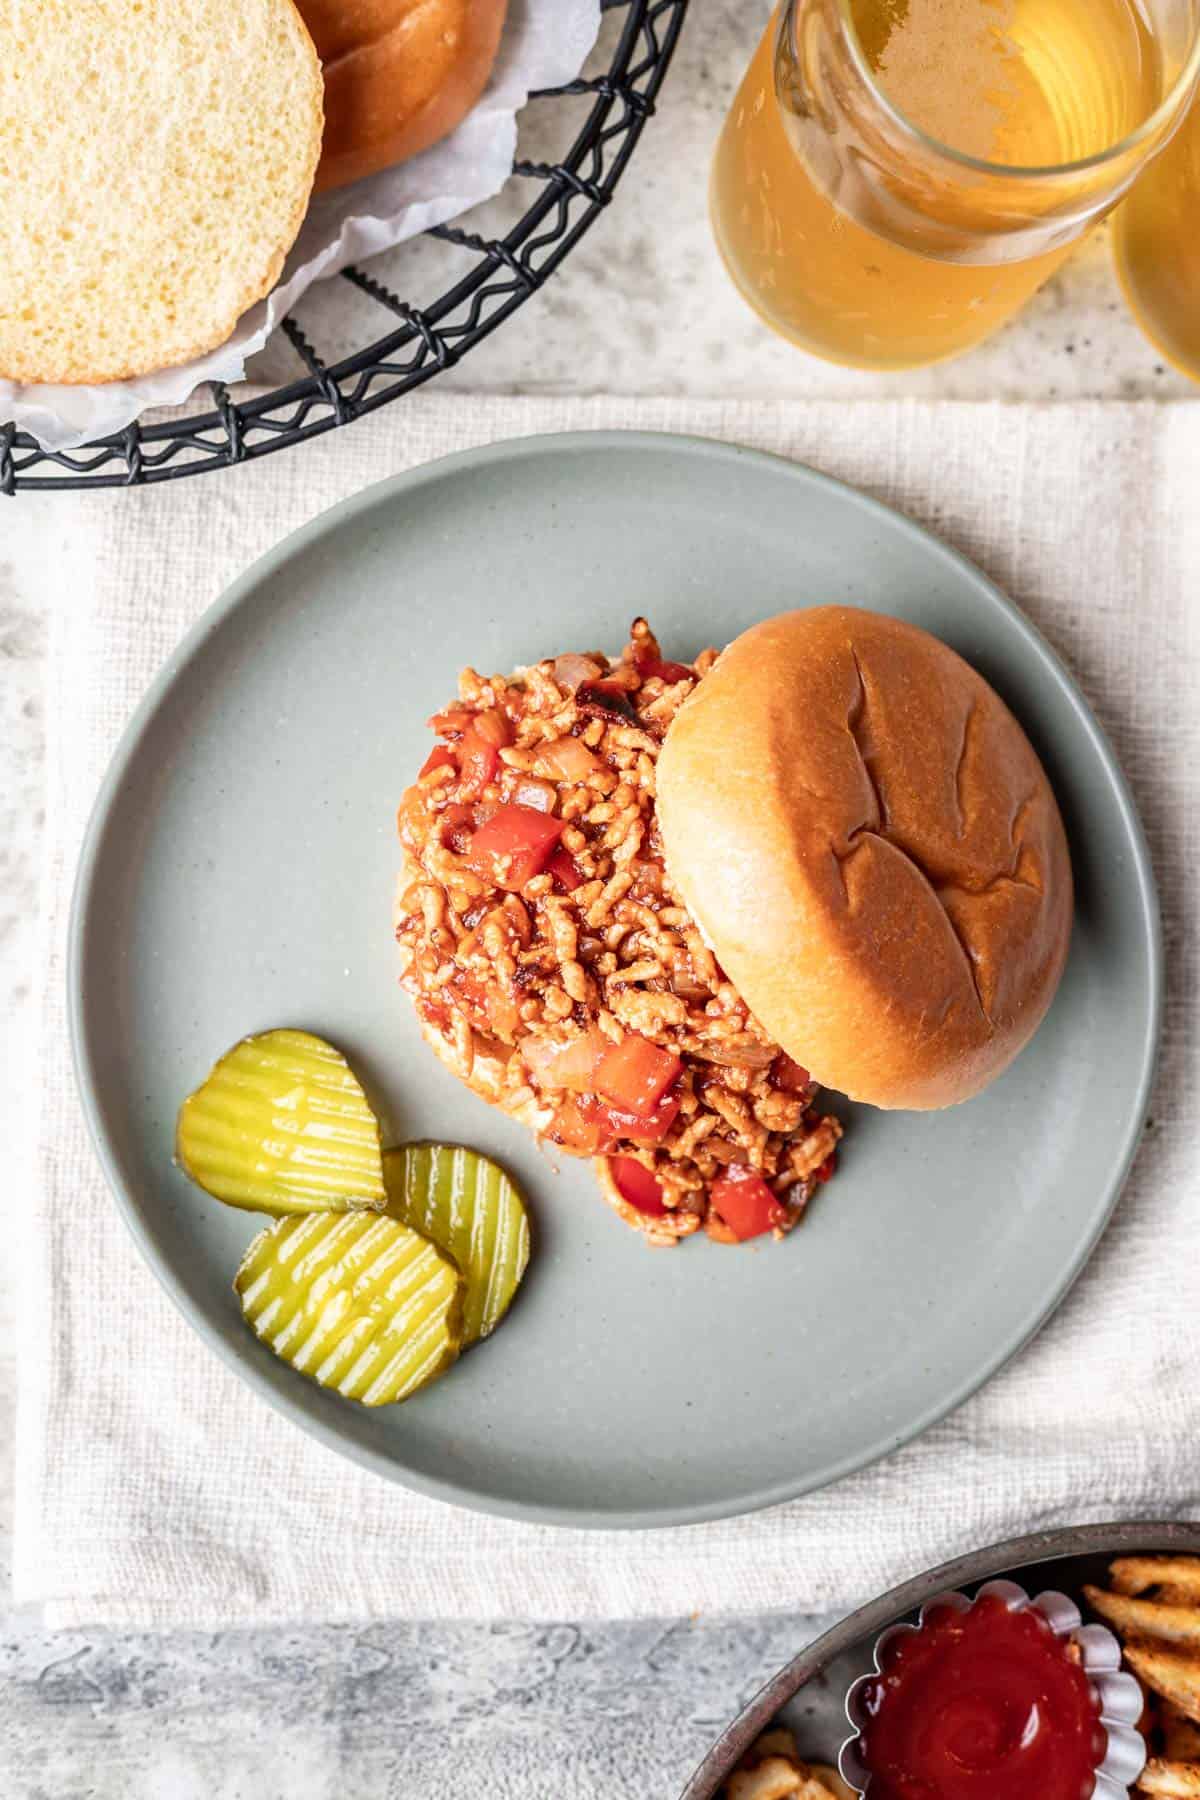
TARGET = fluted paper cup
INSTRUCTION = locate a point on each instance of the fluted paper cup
(1117, 1694)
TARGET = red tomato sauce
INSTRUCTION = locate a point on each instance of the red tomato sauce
(984, 1704)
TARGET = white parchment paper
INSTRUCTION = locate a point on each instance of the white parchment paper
(545, 43)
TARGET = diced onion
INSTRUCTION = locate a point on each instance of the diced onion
(736, 1056)
(570, 670)
(571, 1065)
(567, 759)
(687, 986)
(541, 795)
(576, 1125)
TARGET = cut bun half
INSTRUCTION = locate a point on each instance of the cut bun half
(156, 161)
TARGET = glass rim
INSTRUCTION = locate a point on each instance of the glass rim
(1174, 100)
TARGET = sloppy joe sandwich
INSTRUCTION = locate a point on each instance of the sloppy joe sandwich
(635, 892)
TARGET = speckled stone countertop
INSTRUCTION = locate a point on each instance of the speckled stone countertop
(411, 1712)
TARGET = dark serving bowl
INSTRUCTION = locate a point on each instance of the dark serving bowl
(808, 1694)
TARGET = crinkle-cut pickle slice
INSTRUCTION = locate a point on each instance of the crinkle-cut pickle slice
(357, 1301)
(470, 1208)
(283, 1126)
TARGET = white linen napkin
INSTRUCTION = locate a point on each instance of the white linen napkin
(154, 1488)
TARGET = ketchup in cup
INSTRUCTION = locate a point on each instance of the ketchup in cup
(986, 1703)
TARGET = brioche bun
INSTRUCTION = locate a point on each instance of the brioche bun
(156, 162)
(399, 76)
(868, 841)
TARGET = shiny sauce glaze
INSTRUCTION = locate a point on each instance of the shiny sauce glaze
(981, 1704)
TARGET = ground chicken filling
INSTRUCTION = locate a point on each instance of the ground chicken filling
(560, 974)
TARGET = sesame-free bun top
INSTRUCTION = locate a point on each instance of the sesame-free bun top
(156, 161)
(868, 841)
(399, 76)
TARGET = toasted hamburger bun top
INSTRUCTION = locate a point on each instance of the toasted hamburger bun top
(399, 76)
(155, 165)
(868, 841)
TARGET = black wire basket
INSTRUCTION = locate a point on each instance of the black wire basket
(560, 199)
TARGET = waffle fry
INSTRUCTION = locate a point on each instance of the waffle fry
(1173, 1674)
(1152, 1619)
(1181, 1780)
(1181, 1735)
(1177, 1577)
(772, 1770)
(1153, 1602)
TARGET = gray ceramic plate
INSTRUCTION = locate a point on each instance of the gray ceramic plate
(808, 1695)
(239, 872)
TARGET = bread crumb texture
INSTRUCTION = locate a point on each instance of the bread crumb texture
(156, 159)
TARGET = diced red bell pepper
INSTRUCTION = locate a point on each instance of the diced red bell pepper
(789, 1075)
(647, 1128)
(827, 1168)
(479, 750)
(565, 870)
(493, 727)
(590, 1127)
(440, 757)
(670, 672)
(479, 761)
(514, 845)
(638, 1186)
(635, 1074)
(451, 723)
(745, 1203)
